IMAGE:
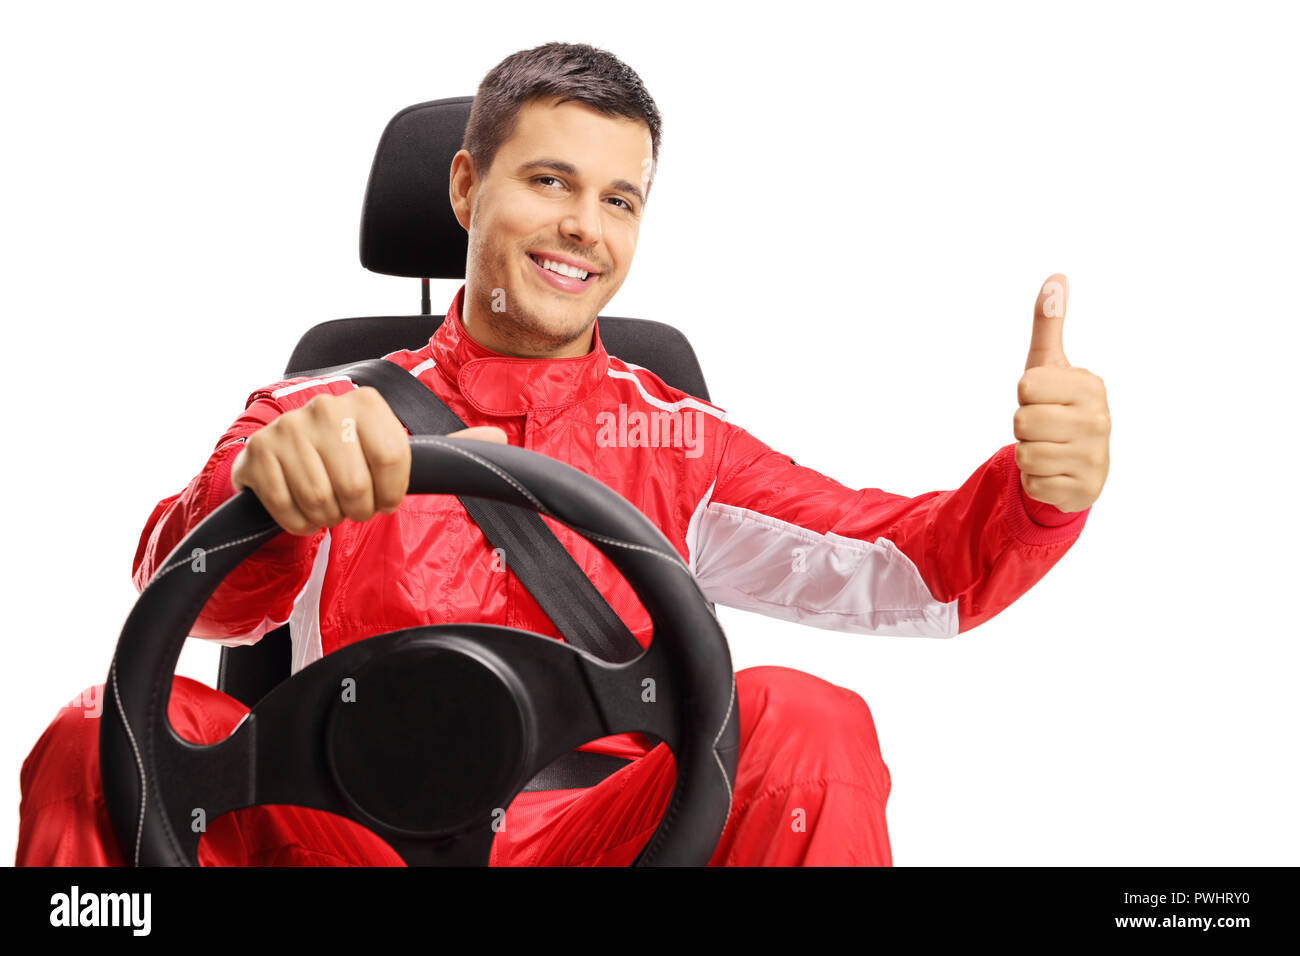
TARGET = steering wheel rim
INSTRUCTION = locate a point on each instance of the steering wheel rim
(144, 763)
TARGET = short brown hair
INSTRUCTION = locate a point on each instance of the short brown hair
(571, 71)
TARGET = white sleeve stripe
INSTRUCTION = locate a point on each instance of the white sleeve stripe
(755, 562)
(310, 383)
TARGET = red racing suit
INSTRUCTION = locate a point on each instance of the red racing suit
(760, 532)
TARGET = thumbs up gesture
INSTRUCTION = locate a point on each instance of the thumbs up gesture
(1063, 424)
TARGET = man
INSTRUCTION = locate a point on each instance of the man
(552, 185)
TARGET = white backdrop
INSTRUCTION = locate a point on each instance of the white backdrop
(853, 214)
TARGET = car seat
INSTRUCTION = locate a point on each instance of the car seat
(408, 229)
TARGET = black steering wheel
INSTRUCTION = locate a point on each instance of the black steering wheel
(426, 734)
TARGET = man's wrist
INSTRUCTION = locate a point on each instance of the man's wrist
(1044, 513)
(1030, 520)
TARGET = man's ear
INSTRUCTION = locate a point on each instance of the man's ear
(464, 182)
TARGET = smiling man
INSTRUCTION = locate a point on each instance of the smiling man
(552, 185)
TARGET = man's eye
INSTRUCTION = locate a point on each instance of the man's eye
(538, 179)
(626, 205)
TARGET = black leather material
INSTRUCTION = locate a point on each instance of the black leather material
(407, 224)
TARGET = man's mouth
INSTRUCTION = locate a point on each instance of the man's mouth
(561, 267)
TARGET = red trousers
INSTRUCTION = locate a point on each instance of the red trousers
(810, 790)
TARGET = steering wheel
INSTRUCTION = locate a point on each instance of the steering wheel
(426, 734)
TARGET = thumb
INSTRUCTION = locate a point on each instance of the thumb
(1046, 347)
(483, 433)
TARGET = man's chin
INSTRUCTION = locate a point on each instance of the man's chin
(542, 323)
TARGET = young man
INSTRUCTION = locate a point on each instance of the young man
(551, 184)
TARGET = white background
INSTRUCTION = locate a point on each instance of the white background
(853, 214)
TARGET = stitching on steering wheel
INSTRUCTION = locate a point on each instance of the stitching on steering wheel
(436, 440)
(212, 550)
(671, 559)
(726, 717)
(139, 763)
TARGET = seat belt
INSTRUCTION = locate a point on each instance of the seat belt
(533, 552)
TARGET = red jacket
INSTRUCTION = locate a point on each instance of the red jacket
(760, 532)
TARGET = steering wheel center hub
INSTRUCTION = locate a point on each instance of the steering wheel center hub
(406, 739)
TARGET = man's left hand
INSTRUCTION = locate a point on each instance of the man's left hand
(1063, 423)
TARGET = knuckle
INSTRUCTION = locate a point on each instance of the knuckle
(371, 396)
(290, 523)
(287, 424)
(352, 491)
(315, 500)
(391, 455)
(283, 510)
(321, 406)
(1026, 386)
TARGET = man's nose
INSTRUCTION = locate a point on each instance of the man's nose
(582, 222)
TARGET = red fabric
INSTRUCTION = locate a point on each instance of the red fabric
(810, 790)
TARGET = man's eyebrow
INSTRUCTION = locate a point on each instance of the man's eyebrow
(568, 169)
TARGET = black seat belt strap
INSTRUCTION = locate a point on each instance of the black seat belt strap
(531, 550)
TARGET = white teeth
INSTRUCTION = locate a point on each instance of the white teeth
(562, 269)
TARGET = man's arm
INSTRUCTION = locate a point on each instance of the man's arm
(771, 536)
(787, 541)
(257, 596)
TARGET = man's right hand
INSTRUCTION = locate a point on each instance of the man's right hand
(339, 456)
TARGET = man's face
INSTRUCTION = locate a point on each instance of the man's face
(569, 186)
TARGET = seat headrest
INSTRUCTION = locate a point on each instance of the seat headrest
(407, 225)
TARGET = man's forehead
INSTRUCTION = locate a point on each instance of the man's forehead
(550, 126)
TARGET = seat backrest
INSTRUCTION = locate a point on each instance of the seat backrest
(408, 229)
